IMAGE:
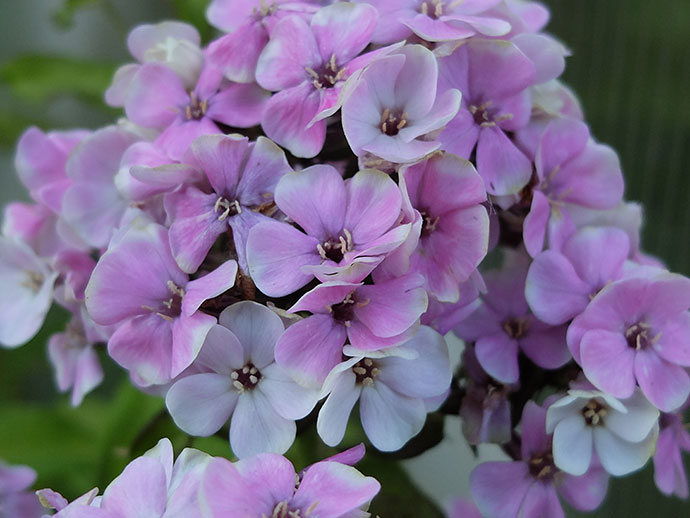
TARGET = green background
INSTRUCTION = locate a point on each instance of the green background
(630, 68)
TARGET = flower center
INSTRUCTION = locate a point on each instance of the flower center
(542, 466)
(485, 117)
(432, 8)
(392, 123)
(429, 223)
(196, 109)
(245, 378)
(515, 327)
(226, 208)
(264, 9)
(33, 281)
(365, 371)
(283, 510)
(335, 249)
(639, 336)
(326, 76)
(344, 312)
(172, 307)
(594, 413)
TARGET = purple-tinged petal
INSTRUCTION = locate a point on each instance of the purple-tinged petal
(667, 294)
(373, 205)
(335, 412)
(390, 308)
(175, 140)
(143, 345)
(195, 226)
(343, 30)
(141, 490)
(265, 166)
(256, 327)
(533, 430)
(504, 168)
(426, 376)
(189, 333)
(315, 198)
(541, 500)
(201, 404)
(222, 352)
(674, 343)
(390, 419)
(310, 348)
(290, 400)
(562, 140)
(586, 492)
(607, 361)
(237, 54)
(546, 346)
(546, 53)
(572, 445)
(222, 158)
(283, 61)
(444, 109)
(534, 227)
(498, 488)
(667, 386)
(620, 457)
(276, 252)
(267, 466)
(434, 29)
(288, 117)
(241, 224)
(155, 95)
(116, 94)
(338, 489)
(323, 296)
(145, 36)
(239, 105)
(669, 470)
(553, 289)
(224, 492)
(460, 135)
(257, 428)
(362, 339)
(497, 354)
(209, 286)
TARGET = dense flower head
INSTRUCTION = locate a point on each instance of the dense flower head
(287, 221)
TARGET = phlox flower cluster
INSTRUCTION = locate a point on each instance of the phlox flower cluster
(288, 220)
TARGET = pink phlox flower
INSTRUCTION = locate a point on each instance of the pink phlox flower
(622, 433)
(267, 485)
(308, 64)
(40, 163)
(348, 228)
(636, 331)
(669, 470)
(393, 110)
(241, 178)
(370, 316)
(503, 325)
(391, 387)
(249, 24)
(240, 379)
(157, 98)
(436, 20)
(494, 77)
(530, 487)
(171, 43)
(138, 286)
(16, 500)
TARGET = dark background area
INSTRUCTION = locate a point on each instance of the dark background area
(630, 68)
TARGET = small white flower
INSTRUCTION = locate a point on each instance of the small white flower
(623, 433)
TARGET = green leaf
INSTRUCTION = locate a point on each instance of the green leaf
(39, 78)
(63, 16)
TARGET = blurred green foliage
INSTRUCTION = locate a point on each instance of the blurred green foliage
(631, 69)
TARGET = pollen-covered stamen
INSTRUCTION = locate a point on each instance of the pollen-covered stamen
(365, 371)
(392, 122)
(344, 312)
(640, 336)
(429, 223)
(283, 510)
(542, 466)
(335, 249)
(245, 378)
(265, 9)
(432, 8)
(196, 109)
(172, 307)
(327, 75)
(226, 208)
(33, 281)
(594, 412)
(515, 327)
